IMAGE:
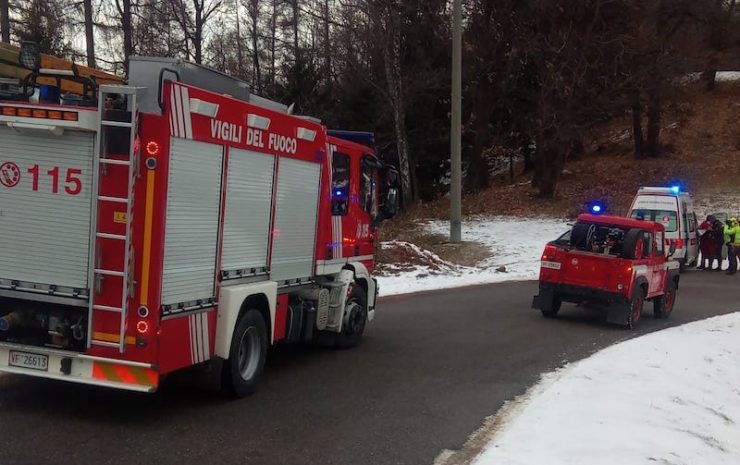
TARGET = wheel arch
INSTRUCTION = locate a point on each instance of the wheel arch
(234, 301)
(642, 283)
(260, 303)
(366, 281)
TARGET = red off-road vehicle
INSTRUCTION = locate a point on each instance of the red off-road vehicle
(615, 262)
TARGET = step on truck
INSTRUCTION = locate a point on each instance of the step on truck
(176, 221)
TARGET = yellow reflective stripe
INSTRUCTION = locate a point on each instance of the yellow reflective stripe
(110, 337)
(147, 253)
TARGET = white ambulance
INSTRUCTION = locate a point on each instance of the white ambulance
(674, 209)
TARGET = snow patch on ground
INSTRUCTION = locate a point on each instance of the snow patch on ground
(717, 202)
(670, 397)
(722, 76)
(516, 244)
(728, 76)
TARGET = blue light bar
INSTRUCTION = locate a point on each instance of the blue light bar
(676, 189)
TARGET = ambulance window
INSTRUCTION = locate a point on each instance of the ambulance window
(667, 218)
(340, 184)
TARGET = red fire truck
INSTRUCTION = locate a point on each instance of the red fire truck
(176, 221)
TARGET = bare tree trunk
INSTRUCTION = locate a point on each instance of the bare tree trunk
(528, 158)
(709, 76)
(198, 36)
(327, 43)
(5, 21)
(477, 176)
(538, 162)
(239, 45)
(124, 9)
(393, 74)
(653, 123)
(296, 48)
(550, 167)
(89, 33)
(254, 14)
(273, 42)
(637, 124)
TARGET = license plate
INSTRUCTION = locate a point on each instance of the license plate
(28, 360)
(551, 265)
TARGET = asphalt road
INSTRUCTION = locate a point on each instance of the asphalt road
(431, 368)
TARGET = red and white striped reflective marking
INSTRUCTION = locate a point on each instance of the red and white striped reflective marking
(181, 124)
(336, 236)
(199, 342)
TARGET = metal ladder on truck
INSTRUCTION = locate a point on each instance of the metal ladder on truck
(101, 162)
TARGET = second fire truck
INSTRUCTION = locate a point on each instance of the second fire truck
(174, 221)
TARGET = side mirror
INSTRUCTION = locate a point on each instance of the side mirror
(389, 193)
(390, 203)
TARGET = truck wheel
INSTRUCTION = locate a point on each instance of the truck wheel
(355, 312)
(635, 307)
(663, 305)
(243, 370)
(634, 244)
(553, 308)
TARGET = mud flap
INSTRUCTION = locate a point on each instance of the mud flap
(618, 314)
(543, 300)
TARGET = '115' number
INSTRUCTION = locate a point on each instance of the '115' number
(72, 182)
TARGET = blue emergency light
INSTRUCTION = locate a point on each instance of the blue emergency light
(596, 208)
(676, 189)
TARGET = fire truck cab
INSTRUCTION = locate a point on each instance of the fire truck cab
(175, 221)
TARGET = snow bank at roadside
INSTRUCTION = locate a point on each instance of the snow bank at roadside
(516, 244)
(670, 397)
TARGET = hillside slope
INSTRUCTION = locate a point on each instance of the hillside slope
(701, 135)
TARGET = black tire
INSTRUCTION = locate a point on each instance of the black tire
(663, 305)
(356, 320)
(579, 235)
(636, 304)
(242, 372)
(553, 308)
(634, 241)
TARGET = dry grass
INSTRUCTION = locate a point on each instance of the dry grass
(408, 227)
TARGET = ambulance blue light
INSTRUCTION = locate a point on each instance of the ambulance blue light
(339, 193)
(676, 189)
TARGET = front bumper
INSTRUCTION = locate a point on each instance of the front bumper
(84, 369)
